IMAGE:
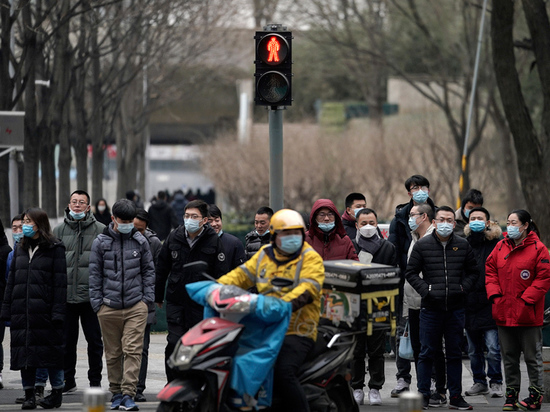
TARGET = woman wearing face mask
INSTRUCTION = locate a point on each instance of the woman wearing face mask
(102, 212)
(34, 303)
(327, 234)
(517, 279)
(288, 256)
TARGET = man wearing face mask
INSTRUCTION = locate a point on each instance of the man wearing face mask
(449, 272)
(193, 242)
(78, 231)
(371, 248)
(122, 286)
(473, 198)
(354, 203)
(326, 232)
(288, 256)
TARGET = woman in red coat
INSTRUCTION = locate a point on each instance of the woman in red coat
(517, 279)
(327, 234)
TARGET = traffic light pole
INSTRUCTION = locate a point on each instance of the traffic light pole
(276, 198)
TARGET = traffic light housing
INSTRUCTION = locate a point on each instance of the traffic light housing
(273, 76)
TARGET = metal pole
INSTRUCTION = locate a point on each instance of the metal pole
(276, 158)
(472, 96)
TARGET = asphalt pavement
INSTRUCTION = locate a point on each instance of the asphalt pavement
(156, 380)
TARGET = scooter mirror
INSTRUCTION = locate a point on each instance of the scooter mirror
(199, 266)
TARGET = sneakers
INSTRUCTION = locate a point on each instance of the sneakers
(116, 400)
(533, 402)
(359, 396)
(437, 400)
(69, 387)
(458, 402)
(374, 397)
(128, 404)
(477, 389)
(495, 389)
(401, 387)
(425, 402)
(511, 400)
(141, 398)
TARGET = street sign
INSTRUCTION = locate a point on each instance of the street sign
(12, 129)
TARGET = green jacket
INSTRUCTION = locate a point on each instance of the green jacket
(78, 237)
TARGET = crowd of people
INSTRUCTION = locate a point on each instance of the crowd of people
(463, 284)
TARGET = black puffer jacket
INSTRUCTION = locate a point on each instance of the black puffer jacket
(176, 252)
(449, 272)
(254, 242)
(479, 314)
(34, 303)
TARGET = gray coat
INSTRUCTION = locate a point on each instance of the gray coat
(78, 236)
(122, 272)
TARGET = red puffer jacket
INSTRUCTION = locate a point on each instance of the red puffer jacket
(333, 245)
(517, 279)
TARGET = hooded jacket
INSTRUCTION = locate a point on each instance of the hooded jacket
(478, 307)
(162, 219)
(78, 236)
(35, 304)
(333, 245)
(122, 272)
(400, 232)
(517, 279)
(449, 272)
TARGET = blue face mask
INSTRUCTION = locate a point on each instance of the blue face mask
(326, 227)
(444, 229)
(291, 243)
(412, 223)
(77, 216)
(477, 225)
(17, 237)
(192, 225)
(466, 212)
(420, 196)
(356, 211)
(125, 228)
(513, 232)
(28, 231)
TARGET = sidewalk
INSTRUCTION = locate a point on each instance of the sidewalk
(156, 380)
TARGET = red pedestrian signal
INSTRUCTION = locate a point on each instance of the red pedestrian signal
(273, 68)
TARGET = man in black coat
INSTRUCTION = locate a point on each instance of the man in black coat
(481, 329)
(260, 236)
(234, 249)
(449, 271)
(195, 241)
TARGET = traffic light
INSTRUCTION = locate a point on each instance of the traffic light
(273, 68)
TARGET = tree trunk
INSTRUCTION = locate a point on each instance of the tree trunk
(47, 167)
(532, 160)
(64, 163)
(5, 188)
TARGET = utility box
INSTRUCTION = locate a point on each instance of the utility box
(360, 296)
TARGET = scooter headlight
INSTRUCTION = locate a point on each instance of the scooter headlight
(184, 355)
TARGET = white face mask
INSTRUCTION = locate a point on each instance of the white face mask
(367, 231)
(101, 209)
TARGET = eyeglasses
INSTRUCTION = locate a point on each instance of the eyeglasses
(323, 215)
(441, 220)
(415, 214)
(415, 188)
(78, 202)
(194, 217)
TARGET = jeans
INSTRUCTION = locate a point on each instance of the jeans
(477, 341)
(92, 333)
(28, 378)
(434, 326)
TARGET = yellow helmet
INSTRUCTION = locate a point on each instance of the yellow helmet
(286, 219)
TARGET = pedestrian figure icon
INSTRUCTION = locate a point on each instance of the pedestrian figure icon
(273, 47)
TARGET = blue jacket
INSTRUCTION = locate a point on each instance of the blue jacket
(259, 344)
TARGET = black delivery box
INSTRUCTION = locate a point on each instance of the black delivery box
(360, 296)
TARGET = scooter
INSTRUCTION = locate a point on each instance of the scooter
(204, 357)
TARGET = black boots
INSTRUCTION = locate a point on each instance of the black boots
(30, 400)
(53, 400)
